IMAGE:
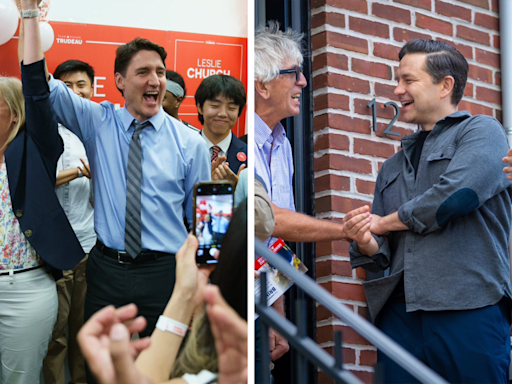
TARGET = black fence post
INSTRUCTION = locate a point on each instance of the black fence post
(338, 350)
(378, 373)
(265, 347)
(302, 333)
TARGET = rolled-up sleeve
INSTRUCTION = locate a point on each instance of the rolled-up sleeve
(375, 263)
(473, 176)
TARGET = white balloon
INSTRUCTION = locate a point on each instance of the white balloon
(47, 35)
(44, 8)
(8, 20)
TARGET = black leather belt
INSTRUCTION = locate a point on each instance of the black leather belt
(123, 258)
(15, 271)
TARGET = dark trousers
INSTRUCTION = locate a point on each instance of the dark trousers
(147, 285)
(471, 346)
(257, 352)
(218, 237)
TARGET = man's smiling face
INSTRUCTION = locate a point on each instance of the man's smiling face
(143, 84)
(285, 92)
(79, 83)
(220, 115)
(419, 95)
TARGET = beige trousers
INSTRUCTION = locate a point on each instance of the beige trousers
(71, 289)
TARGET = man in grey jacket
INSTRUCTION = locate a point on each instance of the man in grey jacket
(440, 222)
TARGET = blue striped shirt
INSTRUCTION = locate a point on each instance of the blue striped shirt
(274, 162)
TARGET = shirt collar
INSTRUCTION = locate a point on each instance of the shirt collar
(262, 132)
(223, 145)
(458, 115)
(156, 120)
(455, 115)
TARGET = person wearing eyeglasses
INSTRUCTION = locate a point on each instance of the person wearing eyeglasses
(278, 84)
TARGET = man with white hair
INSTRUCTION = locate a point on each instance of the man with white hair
(278, 85)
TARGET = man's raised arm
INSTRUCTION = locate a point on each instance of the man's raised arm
(32, 48)
(70, 109)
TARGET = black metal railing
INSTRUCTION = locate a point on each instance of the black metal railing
(309, 349)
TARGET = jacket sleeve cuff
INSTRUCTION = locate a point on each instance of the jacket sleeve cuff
(377, 262)
(33, 79)
(406, 216)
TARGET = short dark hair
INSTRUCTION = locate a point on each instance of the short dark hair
(442, 60)
(220, 85)
(177, 78)
(73, 66)
(125, 53)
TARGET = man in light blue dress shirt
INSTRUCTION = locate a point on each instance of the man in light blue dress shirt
(174, 158)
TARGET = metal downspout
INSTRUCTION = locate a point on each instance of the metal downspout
(506, 56)
(505, 9)
(506, 75)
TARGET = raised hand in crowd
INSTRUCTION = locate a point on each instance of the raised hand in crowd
(156, 361)
(105, 342)
(217, 162)
(105, 338)
(27, 3)
(98, 334)
(122, 359)
(230, 333)
(223, 172)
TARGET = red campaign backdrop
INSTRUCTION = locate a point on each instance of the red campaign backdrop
(193, 56)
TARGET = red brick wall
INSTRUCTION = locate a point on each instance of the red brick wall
(355, 45)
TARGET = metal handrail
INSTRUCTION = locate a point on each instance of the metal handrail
(300, 341)
(362, 326)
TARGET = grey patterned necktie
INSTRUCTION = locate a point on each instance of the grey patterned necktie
(133, 225)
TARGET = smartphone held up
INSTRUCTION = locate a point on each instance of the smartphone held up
(213, 210)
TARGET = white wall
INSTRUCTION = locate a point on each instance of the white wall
(214, 17)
